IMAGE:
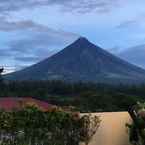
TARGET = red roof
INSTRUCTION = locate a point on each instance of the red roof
(10, 103)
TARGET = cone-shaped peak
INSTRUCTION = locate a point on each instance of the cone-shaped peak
(79, 46)
(82, 40)
(82, 44)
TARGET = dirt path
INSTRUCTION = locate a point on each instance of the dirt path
(112, 130)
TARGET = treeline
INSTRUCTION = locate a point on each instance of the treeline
(85, 97)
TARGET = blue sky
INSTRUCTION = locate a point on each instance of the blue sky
(32, 30)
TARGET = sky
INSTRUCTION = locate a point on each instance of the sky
(33, 30)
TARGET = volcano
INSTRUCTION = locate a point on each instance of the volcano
(82, 61)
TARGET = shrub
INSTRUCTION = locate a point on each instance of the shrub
(32, 126)
(137, 128)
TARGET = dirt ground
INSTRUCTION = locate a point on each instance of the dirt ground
(112, 130)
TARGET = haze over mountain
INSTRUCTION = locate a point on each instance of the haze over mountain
(82, 61)
(135, 55)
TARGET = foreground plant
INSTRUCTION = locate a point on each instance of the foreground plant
(137, 128)
(32, 126)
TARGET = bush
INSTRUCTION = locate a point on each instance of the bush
(137, 128)
(31, 126)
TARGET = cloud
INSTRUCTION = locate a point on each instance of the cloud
(126, 24)
(114, 50)
(7, 26)
(42, 40)
(27, 58)
(33, 43)
(34, 36)
(28, 42)
(136, 21)
(69, 5)
(4, 52)
(36, 29)
(41, 45)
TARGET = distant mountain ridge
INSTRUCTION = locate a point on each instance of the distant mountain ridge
(82, 61)
(135, 55)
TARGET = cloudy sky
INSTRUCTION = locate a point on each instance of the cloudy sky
(31, 30)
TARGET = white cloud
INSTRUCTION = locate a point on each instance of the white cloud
(33, 43)
(68, 5)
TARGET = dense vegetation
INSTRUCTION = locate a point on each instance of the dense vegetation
(31, 126)
(137, 128)
(85, 97)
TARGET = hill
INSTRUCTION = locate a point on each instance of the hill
(134, 55)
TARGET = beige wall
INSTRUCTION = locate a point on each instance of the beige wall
(112, 130)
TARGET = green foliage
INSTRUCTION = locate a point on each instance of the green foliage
(31, 126)
(86, 97)
(133, 133)
(137, 128)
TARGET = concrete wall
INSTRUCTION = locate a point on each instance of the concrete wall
(112, 130)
